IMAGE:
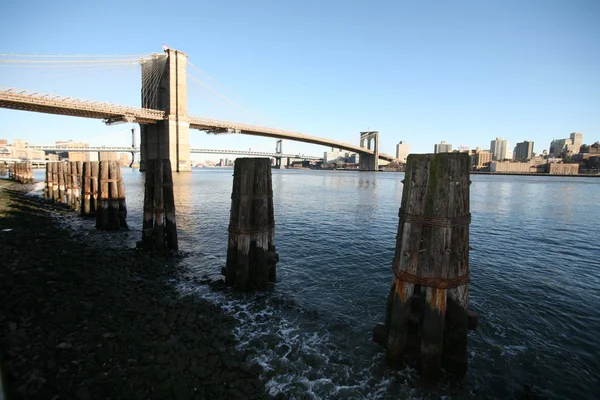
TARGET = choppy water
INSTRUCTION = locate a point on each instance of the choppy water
(535, 281)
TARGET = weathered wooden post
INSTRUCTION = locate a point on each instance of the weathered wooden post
(86, 182)
(61, 182)
(54, 179)
(89, 187)
(159, 207)
(30, 172)
(102, 204)
(76, 169)
(111, 195)
(427, 308)
(69, 184)
(251, 253)
(122, 204)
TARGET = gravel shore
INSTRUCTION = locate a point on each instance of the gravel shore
(81, 322)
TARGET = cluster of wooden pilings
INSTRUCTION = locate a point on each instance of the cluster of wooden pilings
(93, 188)
(159, 226)
(427, 314)
(22, 172)
(3, 168)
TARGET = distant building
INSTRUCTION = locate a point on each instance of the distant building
(512, 167)
(107, 156)
(480, 159)
(524, 151)
(443, 147)
(595, 148)
(576, 142)
(566, 147)
(73, 155)
(124, 160)
(499, 149)
(402, 151)
(19, 150)
(562, 169)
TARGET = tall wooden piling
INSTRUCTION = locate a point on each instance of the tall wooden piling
(69, 184)
(251, 254)
(159, 226)
(108, 214)
(89, 187)
(427, 308)
(47, 182)
(75, 183)
(61, 182)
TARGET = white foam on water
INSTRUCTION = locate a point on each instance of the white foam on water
(299, 362)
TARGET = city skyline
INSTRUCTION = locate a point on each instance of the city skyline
(508, 69)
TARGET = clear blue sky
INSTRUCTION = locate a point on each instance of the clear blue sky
(418, 71)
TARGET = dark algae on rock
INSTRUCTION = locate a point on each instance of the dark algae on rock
(79, 321)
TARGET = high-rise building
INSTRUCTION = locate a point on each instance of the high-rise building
(576, 142)
(557, 147)
(524, 151)
(498, 148)
(443, 147)
(402, 151)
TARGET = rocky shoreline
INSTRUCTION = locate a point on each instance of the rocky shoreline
(81, 322)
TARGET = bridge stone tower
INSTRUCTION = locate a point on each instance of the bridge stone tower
(369, 162)
(164, 87)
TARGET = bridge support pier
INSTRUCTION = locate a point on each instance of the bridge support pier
(169, 138)
(369, 162)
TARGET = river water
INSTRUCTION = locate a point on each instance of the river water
(535, 282)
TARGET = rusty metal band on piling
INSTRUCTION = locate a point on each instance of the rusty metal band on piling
(433, 282)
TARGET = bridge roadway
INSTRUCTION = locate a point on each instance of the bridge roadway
(16, 99)
(124, 149)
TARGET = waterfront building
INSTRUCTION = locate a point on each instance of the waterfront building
(443, 147)
(512, 167)
(562, 168)
(402, 151)
(524, 151)
(498, 148)
(480, 159)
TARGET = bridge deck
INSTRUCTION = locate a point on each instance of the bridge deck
(52, 104)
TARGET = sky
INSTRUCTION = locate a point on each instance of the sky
(417, 71)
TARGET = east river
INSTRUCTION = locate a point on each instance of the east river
(535, 282)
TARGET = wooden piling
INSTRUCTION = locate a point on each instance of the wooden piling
(69, 184)
(60, 177)
(47, 182)
(75, 184)
(251, 253)
(86, 172)
(122, 204)
(159, 226)
(89, 187)
(102, 218)
(427, 308)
